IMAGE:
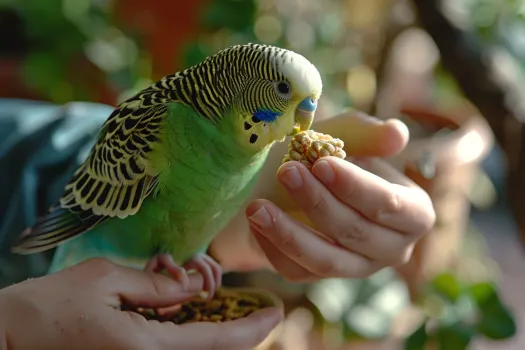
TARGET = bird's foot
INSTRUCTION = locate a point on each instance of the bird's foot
(210, 270)
(162, 262)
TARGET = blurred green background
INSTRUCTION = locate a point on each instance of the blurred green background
(391, 58)
(64, 50)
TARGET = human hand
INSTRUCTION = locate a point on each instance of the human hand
(367, 215)
(78, 308)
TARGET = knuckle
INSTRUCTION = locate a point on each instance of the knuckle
(331, 268)
(356, 230)
(349, 230)
(337, 230)
(391, 205)
(289, 241)
(319, 203)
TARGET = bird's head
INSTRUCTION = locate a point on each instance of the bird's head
(278, 96)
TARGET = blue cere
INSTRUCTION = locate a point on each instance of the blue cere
(266, 115)
(308, 105)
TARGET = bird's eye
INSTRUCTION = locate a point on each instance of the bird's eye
(283, 87)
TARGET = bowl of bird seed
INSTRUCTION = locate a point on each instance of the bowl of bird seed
(227, 304)
(230, 304)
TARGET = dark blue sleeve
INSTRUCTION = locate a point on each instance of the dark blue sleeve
(41, 145)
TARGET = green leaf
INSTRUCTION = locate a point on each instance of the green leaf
(418, 339)
(456, 336)
(497, 322)
(483, 293)
(448, 286)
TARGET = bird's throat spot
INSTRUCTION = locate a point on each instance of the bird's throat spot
(253, 138)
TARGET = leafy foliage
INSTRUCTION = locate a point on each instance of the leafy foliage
(464, 311)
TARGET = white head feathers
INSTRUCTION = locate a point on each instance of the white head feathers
(303, 75)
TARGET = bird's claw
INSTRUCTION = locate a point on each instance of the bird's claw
(210, 270)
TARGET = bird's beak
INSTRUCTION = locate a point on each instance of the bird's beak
(304, 115)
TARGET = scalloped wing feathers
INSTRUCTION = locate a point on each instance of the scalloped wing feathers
(112, 182)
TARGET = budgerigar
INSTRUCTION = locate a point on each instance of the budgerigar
(173, 164)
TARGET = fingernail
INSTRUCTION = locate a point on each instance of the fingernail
(262, 218)
(291, 178)
(323, 171)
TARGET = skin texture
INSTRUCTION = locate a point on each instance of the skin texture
(76, 308)
(340, 220)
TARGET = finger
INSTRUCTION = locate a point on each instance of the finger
(285, 266)
(346, 226)
(245, 333)
(165, 296)
(384, 170)
(303, 245)
(401, 208)
(141, 288)
(365, 135)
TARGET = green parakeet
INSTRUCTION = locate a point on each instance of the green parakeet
(173, 164)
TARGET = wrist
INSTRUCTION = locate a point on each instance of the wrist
(248, 257)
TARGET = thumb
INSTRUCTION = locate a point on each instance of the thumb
(159, 291)
(366, 136)
(152, 290)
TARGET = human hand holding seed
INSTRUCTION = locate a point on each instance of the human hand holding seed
(336, 218)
